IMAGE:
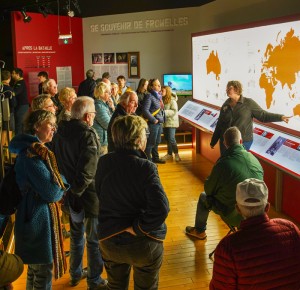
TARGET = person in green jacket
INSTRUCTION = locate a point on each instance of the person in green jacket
(234, 166)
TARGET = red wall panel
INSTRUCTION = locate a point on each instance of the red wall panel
(291, 196)
(270, 179)
(36, 46)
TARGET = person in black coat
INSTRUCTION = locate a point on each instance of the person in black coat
(133, 207)
(77, 149)
(86, 87)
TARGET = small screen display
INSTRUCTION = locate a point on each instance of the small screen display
(181, 84)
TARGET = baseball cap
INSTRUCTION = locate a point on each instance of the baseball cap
(251, 192)
(106, 75)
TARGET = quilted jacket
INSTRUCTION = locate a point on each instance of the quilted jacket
(263, 254)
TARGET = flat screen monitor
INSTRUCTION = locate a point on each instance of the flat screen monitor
(181, 84)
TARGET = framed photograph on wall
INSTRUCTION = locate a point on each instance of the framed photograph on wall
(121, 57)
(97, 58)
(133, 65)
(109, 58)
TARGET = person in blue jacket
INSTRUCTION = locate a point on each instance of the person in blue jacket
(38, 235)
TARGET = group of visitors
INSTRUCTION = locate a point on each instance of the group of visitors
(95, 154)
(51, 168)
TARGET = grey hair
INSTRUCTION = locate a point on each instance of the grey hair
(90, 73)
(251, 211)
(127, 131)
(124, 99)
(232, 136)
(35, 118)
(46, 84)
(81, 106)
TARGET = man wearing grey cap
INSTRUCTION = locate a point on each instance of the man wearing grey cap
(86, 87)
(264, 253)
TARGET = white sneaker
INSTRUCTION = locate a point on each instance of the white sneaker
(177, 157)
(167, 157)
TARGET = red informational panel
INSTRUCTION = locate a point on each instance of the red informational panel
(37, 47)
(291, 197)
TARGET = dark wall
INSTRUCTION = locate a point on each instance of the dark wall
(6, 48)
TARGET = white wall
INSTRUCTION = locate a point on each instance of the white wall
(169, 51)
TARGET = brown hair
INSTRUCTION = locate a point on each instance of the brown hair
(38, 103)
(168, 96)
(141, 85)
(236, 85)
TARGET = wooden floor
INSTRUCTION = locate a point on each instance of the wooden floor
(186, 264)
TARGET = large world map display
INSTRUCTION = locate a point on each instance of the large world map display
(265, 59)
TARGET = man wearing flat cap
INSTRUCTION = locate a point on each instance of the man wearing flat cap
(264, 253)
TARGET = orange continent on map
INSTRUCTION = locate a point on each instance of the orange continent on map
(281, 64)
(213, 64)
(297, 110)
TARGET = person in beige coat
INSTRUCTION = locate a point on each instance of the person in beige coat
(171, 122)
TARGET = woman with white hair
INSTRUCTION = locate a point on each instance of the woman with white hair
(103, 114)
(67, 97)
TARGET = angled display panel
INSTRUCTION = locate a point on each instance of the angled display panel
(275, 147)
(264, 58)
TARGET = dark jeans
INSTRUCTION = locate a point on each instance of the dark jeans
(153, 141)
(169, 134)
(142, 253)
(94, 258)
(39, 277)
(207, 203)
(202, 213)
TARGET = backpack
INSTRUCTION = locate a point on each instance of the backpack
(10, 194)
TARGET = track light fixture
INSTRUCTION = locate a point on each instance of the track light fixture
(71, 13)
(26, 18)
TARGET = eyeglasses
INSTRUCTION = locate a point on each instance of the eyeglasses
(91, 113)
(53, 125)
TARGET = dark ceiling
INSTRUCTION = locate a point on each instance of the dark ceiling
(89, 8)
